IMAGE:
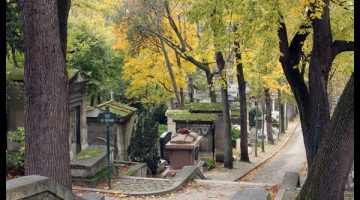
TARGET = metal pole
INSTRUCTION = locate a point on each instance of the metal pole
(256, 128)
(108, 154)
(262, 131)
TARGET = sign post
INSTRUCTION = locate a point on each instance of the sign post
(107, 117)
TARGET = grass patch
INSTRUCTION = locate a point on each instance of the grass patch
(88, 153)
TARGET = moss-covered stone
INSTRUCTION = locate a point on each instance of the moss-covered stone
(88, 153)
(176, 112)
(194, 117)
(235, 112)
(205, 108)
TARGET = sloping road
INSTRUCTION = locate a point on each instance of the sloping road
(291, 158)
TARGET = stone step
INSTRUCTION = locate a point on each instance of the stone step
(253, 194)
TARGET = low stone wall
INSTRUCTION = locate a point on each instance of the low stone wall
(91, 170)
(139, 170)
(37, 187)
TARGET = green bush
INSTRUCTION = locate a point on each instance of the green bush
(235, 134)
(159, 113)
(252, 112)
(16, 158)
(161, 129)
(142, 147)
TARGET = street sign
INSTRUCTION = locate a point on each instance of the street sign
(107, 117)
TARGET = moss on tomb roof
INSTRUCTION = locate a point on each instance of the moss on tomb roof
(194, 117)
(176, 112)
(17, 74)
(205, 107)
(120, 109)
(235, 112)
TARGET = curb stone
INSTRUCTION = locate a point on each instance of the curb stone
(272, 155)
(186, 173)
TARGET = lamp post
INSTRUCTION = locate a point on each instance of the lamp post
(107, 117)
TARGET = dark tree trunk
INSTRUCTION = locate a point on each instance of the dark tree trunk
(171, 73)
(92, 100)
(244, 155)
(182, 95)
(268, 116)
(190, 88)
(98, 99)
(46, 90)
(228, 159)
(281, 113)
(334, 159)
(209, 79)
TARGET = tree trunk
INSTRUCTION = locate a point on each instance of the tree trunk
(281, 113)
(268, 116)
(334, 159)
(209, 79)
(244, 155)
(182, 95)
(228, 158)
(98, 99)
(46, 91)
(190, 88)
(92, 100)
(171, 73)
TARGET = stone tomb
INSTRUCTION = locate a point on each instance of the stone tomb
(184, 150)
(120, 131)
(164, 139)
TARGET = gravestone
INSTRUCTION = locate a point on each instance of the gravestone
(164, 153)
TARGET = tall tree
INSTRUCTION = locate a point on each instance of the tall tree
(244, 154)
(335, 156)
(312, 97)
(228, 157)
(268, 117)
(46, 90)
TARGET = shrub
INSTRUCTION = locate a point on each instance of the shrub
(162, 128)
(252, 112)
(15, 159)
(159, 113)
(142, 147)
(235, 134)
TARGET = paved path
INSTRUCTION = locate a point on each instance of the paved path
(242, 168)
(291, 158)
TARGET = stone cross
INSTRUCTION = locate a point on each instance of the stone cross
(111, 94)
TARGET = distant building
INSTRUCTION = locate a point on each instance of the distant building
(77, 107)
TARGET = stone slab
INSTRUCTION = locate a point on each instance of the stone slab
(93, 196)
(255, 194)
(291, 180)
